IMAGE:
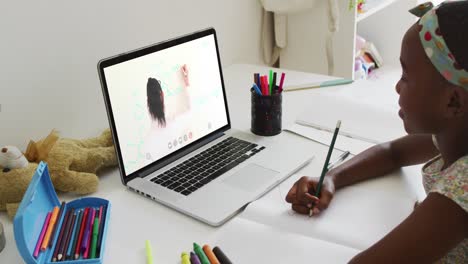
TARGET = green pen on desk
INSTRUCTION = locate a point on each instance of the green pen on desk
(149, 253)
(318, 85)
(325, 165)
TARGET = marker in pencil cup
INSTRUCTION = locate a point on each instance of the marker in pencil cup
(266, 105)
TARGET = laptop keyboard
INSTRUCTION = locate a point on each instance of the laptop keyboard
(206, 166)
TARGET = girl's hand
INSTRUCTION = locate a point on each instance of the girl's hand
(185, 74)
(302, 197)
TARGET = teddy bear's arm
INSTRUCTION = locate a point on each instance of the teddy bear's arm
(104, 140)
(76, 182)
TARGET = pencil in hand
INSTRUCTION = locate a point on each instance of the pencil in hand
(325, 165)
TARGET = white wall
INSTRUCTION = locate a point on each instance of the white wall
(49, 50)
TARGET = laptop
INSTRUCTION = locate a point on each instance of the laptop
(169, 119)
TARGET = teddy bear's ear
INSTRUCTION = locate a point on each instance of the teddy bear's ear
(31, 152)
(38, 151)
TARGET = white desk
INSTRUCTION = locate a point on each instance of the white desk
(358, 216)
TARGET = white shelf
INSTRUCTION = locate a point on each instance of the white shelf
(373, 6)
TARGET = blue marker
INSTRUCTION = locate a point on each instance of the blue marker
(257, 89)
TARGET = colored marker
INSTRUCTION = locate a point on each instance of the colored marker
(102, 222)
(257, 90)
(265, 85)
(185, 258)
(66, 236)
(149, 252)
(274, 82)
(281, 82)
(221, 256)
(72, 249)
(211, 256)
(257, 79)
(270, 81)
(199, 251)
(50, 227)
(82, 228)
(59, 216)
(194, 258)
(42, 234)
(61, 235)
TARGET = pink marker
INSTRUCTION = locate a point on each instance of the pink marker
(41, 236)
(281, 83)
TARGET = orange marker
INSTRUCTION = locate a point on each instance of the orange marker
(53, 219)
(211, 256)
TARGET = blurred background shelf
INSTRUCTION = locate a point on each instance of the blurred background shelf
(373, 6)
(384, 24)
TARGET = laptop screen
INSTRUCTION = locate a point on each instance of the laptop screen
(165, 100)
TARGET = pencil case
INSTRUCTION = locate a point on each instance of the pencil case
(40, 199)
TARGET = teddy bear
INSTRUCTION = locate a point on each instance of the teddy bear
(72, 166)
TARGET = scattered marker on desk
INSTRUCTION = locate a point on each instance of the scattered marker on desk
(194, 258)
(185, 258)
(211, 256)
(221, 256)
(199, 251)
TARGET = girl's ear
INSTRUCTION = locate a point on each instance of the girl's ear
(458, 102)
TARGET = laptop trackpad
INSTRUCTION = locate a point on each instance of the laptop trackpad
(250, 177)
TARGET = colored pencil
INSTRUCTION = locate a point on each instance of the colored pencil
(94, 237)
(71, 254)
(59, 217)
(101, 230)
(80, 237)
(66, 237)
(74, 234)
(50, 227)
(88, 234)
(60, 236)
(42, 234)
(325, 165)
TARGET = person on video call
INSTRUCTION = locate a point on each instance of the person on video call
(163, 126)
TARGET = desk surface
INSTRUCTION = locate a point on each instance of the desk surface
(352, 223)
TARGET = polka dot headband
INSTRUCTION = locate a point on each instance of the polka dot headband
(435, 47)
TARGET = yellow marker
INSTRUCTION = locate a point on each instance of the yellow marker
(149, 253)
(53, 219)
(185, 258)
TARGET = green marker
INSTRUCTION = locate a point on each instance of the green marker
(199, 251)
(94, 239)
(270, 82)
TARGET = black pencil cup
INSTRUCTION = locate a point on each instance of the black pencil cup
(266, 113)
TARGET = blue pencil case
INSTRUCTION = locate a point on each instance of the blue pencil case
(40, 199)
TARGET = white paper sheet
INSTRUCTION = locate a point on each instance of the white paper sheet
(342, 143)
(357, 217)
(359, 121)
(244, 241)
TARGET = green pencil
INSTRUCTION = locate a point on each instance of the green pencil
(95, 236)
(327, 160)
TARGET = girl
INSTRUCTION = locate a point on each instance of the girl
(434, 108)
